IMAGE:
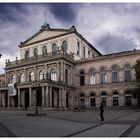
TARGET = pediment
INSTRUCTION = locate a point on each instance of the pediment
(44, 35)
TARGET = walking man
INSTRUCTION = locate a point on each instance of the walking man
(101, 111)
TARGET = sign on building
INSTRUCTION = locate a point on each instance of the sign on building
(12, 89)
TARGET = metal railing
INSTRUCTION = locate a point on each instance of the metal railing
(39, 58)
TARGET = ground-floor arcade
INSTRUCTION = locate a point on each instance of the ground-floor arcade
(47, 96)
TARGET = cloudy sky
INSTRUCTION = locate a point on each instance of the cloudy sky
(110, 27)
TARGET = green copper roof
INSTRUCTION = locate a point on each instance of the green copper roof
(45, 26)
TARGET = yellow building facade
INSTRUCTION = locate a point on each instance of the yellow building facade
(70, 73)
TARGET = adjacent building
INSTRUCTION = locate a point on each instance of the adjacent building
(69, 72)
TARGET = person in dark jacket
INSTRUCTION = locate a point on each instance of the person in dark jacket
(101, 111)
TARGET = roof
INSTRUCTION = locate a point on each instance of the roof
(67, 31)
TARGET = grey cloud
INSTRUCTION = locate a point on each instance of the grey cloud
(63, 12)
(112, 44)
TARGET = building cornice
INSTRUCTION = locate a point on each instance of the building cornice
(109, 56)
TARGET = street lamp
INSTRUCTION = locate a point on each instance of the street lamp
(36, 85)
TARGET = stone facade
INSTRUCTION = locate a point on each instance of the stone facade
(70, 72)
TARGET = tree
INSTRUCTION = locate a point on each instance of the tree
(136, 91)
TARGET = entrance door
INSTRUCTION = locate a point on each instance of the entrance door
(67, 100)
(6, 99)
(128, 100)
(92, 102)
(39, 97)
(26, 100)
(115, 101)
(82, 103)
(16, 100)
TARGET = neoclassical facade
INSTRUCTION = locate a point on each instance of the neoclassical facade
(70, 72)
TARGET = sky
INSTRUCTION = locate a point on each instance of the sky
(109, 27)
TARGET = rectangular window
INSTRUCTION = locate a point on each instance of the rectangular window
(114, 76)
(103, 78)
(78, 48)
(127, 75)
(82, 80)
(84, 52)
(88, 54)
(92, 79)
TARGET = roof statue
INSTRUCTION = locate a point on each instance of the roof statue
(45, 26)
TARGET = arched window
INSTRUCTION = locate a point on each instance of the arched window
(115, 98)
(22, 78)
(103, 98)
(27, 54)
(65, 46)
(53, 74)
(35, 52)
(13, 79)
(54, 48)
(82, 95)
(31, 76)
(128, 98)
(92, 77)
(114, 74)
(41, 75)
(103, 75)
(44, 50)
(92, 94)
(82, 78)
(127, 72)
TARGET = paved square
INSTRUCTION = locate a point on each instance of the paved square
(118, 123)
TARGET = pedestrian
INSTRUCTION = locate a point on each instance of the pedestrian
(101, 111)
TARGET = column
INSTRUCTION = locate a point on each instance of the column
(23, 98)
(17, 78)
(121, 98)
(0, 99)
(8, 101)
(35, 73)
(60, 97)
(50, 96)
(61, 71)
(25, 74)
(63, 98)
(18, 97)
(55, 98)
(3, 99)
(30, 97)
(43, 97)
(47, 97)
(71, 75)
(64, 77)
(72, 99)
(58, 71)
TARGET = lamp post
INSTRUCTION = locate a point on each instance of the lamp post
(35, 85)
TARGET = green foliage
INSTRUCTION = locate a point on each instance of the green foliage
(137, 70)
(136, 91)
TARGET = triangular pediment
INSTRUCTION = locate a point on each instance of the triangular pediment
(44, 34)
